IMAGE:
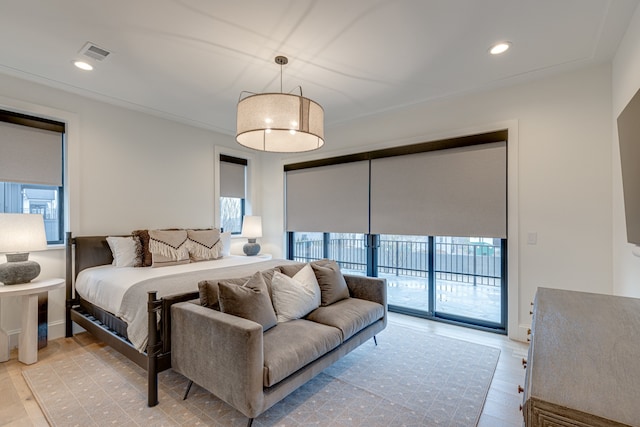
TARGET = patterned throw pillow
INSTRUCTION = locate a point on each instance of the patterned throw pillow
(168, 247)
(204, 244)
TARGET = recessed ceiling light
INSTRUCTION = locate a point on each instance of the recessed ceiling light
(83, 65)
(499, 48)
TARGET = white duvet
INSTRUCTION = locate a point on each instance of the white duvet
(123, 290)
(106, 285)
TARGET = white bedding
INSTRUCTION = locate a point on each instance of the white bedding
(106, 285)
(123, 290)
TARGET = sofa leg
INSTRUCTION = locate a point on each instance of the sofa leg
(249, 422)
(375, 340)
(186, 393)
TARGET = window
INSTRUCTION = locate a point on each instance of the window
(31, 169)
(403, 214)
(232, 193)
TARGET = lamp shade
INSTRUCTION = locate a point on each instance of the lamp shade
(22, 233)
(280, 122)
(252, 227)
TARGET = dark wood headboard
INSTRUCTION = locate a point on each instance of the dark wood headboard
(90, 251)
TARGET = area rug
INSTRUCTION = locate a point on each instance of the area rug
(411, 378)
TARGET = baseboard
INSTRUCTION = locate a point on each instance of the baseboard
(54, 330)
(523, 333)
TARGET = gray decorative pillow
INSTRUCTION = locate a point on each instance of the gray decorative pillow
(250, 301)
(291, 269)
(267, 275)
(168, 247)
(204, 245)
(210, 292)
(333, 287)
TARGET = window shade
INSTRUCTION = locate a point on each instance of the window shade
(454, 192)
(30, 155)
(232, 180)
(331, 198)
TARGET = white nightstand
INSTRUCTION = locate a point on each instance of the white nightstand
(263, 256)
(28, 342)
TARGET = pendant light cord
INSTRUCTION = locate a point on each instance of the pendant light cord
(282, 60)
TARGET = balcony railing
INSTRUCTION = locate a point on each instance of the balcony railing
(474, 263)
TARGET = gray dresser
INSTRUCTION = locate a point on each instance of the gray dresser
(583, 367)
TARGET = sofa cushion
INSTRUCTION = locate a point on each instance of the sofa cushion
(349, 315)
(292, 269)
(333, 287)
(209, 291)
(295, 297)
(290, 346)
(250, 301)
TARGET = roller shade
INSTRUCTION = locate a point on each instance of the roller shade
(30, 155)
(232, 180)
(331, 198)
(453, 192)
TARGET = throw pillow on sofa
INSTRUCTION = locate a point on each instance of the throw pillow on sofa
(333, 287)
(295, 297)
(250, 301)
(210, 291)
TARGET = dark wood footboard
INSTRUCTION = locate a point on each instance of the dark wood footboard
(94, 251)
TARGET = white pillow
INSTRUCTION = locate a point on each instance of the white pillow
(295, 297)
(226, 243)
(125, 251)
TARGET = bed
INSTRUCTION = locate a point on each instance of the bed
(134, 318)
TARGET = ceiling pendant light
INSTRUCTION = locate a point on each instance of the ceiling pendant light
(279, 122)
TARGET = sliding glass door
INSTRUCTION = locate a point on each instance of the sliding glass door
(404, 262)
(468, 279)
(459, 279)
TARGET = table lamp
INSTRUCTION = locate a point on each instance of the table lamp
(251, 229)
(19, 235)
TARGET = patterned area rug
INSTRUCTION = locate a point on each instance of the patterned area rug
(412, 378)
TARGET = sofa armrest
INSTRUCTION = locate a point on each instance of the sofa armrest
(367, 288)
(203, 340)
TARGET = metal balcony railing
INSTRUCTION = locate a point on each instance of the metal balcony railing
(474, 263)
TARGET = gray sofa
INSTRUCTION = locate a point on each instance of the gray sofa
(252, 370)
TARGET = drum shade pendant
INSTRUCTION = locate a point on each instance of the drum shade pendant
(279, 122)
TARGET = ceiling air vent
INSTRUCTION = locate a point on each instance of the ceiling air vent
(92, 51)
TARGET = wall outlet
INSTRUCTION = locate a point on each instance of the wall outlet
(532, 238)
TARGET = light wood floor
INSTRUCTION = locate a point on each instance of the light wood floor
(19, 408)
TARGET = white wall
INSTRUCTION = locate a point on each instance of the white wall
(127, 170)
(563, 173)
(626, 82)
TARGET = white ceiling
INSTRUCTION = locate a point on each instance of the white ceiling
(189, 60)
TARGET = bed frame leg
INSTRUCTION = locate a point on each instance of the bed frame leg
(186, 392)
(68, 326)
(153, 347)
